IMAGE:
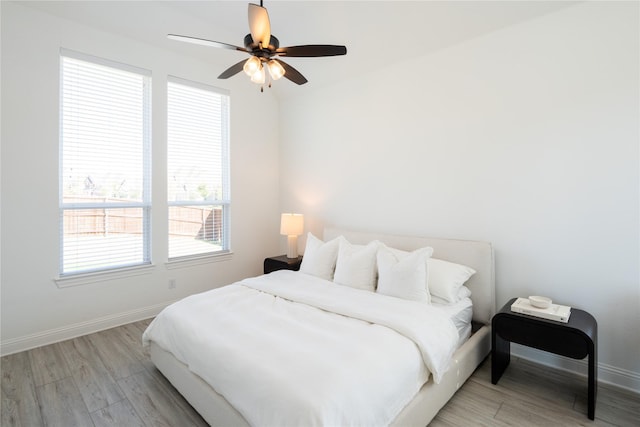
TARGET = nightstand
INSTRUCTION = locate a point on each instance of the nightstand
(576, 339)
(281, 263)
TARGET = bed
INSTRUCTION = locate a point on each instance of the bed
(418, 409)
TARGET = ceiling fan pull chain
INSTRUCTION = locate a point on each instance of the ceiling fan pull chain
(268, 80)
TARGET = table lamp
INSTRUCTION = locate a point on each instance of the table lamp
(292, 226)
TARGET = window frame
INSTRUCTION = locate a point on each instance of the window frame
(225, 202)
(75, 277)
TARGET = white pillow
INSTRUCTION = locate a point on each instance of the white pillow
(446, 278)
(404, 276)
(356, 265)
(319, 257)
(399, 253)
(463, 293)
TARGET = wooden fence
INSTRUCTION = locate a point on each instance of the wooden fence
(199, 222)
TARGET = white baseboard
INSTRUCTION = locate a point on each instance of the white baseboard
(607, 374)
(51, 336)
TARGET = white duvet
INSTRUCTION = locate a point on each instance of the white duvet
(290, 349)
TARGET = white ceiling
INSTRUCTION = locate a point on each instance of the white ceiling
(375, 32)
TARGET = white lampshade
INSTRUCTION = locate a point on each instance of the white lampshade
(258, 76)
(292, 225)
(251, 66)
(275, 69)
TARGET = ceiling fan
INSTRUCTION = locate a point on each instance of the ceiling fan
(265, 51)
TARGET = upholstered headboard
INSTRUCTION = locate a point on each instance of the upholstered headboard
(477, 255)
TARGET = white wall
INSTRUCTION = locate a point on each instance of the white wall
(526, 137)
(34, 310)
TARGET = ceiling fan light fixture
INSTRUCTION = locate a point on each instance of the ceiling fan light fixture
(265, 51)
(252, 66)
(258, 76)
(275, 69)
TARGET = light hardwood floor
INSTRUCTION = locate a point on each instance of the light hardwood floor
(107, 379)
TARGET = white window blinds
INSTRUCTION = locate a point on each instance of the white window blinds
(105, 150)
(198, 168)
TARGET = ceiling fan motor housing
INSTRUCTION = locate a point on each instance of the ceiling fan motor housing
(266, 51)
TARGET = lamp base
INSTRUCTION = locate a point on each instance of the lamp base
(292, 246)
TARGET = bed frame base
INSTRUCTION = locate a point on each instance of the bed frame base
(215, 409)
(432, 397)
(212, 406)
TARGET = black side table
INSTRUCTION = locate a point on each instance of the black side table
(281, 263)
(576, 339)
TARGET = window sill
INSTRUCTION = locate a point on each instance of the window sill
(102, 276)
(198, 260)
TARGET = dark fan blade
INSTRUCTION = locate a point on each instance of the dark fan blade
(233, 70)
(292, 74)
(205, 42)
(312, 50)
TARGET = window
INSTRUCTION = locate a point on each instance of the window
(198, 169)
(105, 149)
